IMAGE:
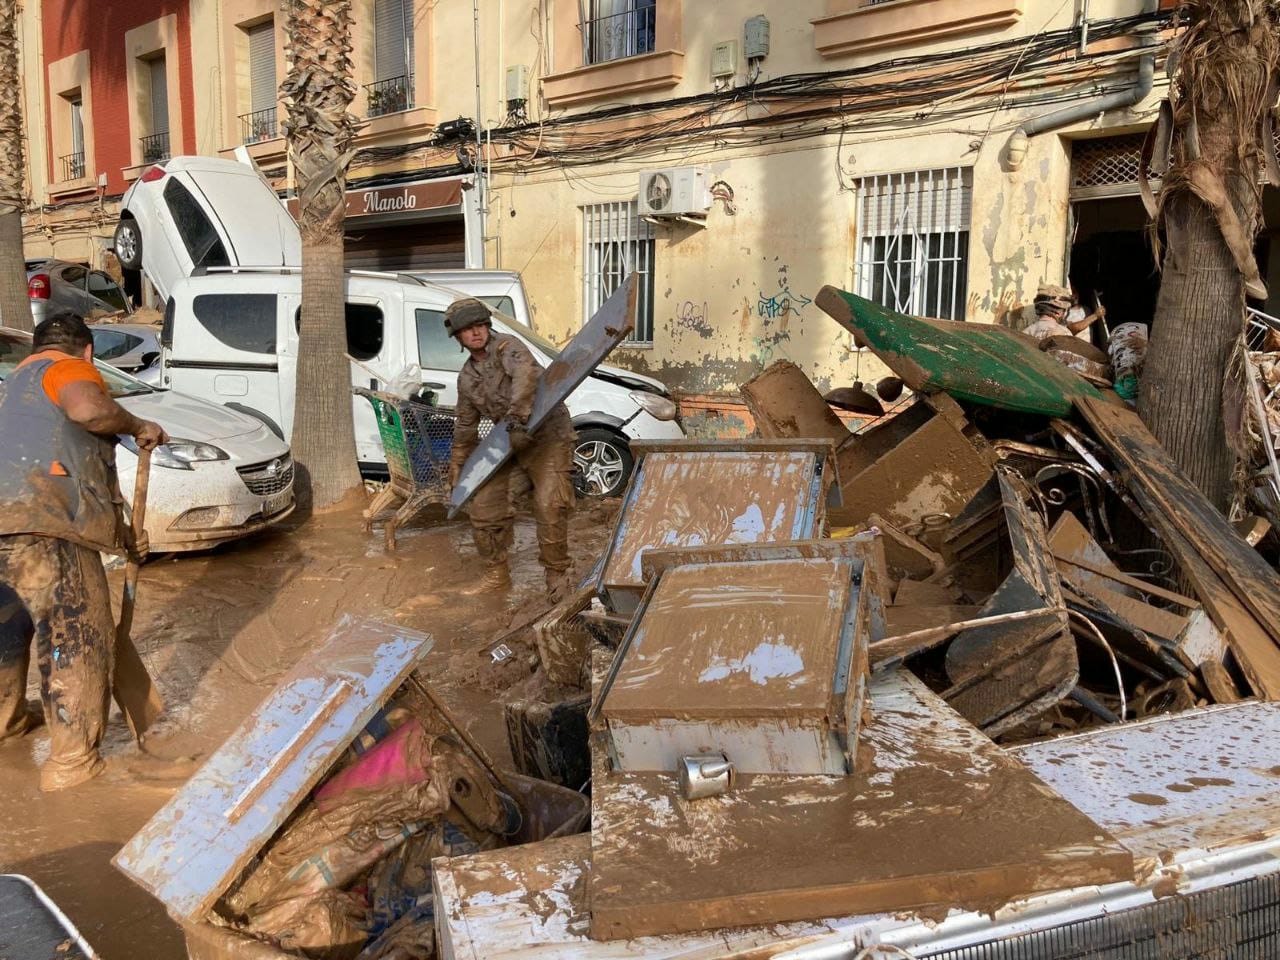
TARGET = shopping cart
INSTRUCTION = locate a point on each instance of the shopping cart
(417, 436)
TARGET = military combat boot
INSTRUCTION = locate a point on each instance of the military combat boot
(496, 578)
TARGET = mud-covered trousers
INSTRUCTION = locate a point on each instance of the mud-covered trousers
(56, 591)
(549, 466)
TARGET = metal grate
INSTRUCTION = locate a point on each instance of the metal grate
(1239, 920)
(267, 479)
(392, 95)
(155, 148)
(259, 125)
(912, 244)
(72, 166)
(617, 243)
(1106, 162)
(618, 28)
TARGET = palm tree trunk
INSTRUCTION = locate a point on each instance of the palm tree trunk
(1210, 208)
(15, 308)
(320, 132)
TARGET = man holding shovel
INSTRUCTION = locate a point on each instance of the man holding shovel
(59, 508)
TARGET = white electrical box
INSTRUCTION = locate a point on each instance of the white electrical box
(517, 82)
(674, 192)
(724, 59)
(756, 34)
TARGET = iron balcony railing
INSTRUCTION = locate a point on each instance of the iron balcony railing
(259, 125)
(618, 35)
(389, 96)
(155, 147)
(72, 165)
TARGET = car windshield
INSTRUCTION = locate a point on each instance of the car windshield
(16, 347)
(503, 307)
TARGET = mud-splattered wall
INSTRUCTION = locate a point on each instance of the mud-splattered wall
(736, 294)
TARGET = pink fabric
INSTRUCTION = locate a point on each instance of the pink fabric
(399, 761)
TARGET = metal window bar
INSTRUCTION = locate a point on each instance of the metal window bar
(259, 125)
(155, 147)
(618, 243)
(620, 34)
(912, 241)
(392, 95)
(72, 165)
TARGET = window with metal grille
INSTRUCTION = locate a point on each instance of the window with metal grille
(1101, 166)
(616, 244)
(613, 29)
(912, 243)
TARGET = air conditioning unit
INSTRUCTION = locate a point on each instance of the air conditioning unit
(674, 192)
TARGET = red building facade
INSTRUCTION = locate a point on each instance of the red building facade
(118, 91)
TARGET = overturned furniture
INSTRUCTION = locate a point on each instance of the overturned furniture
(310, 831)
(757, 654)
(696, 493)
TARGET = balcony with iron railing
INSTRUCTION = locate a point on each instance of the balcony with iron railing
(72, 165)
(392, 95)
(259, 125)
(619, 35)
(155, 147)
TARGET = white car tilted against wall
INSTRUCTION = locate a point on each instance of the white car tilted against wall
(230, 336)
(221, 476)
(192, 212)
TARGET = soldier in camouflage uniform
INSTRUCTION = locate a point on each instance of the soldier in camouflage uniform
(498, 382)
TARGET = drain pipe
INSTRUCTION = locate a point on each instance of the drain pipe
(1137, 92)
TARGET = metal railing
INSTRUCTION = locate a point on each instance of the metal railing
(389, 96)
(72, 165)
(618, 35)
(259, 125)
(155, 147)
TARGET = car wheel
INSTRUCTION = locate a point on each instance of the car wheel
(128, 244)
(603, 461)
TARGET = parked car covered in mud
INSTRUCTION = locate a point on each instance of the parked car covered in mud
(222, 475)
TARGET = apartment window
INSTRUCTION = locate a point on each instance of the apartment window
(392, 89)
(912, 245)
(614, 29)
(155, 146)
(72, 164)
(617, 243)
(260, 123)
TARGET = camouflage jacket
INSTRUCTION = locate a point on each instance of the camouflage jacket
(500, 386)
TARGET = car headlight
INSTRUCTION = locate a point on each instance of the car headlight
(658, 407)
(178, 454)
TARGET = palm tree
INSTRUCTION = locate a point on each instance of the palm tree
(1209, 210)
(320, 131)
(15, 308)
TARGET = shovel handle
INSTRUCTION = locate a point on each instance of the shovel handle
(141, 481)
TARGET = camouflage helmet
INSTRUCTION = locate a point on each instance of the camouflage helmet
(465, 313)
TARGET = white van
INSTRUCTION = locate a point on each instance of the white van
(230, 335)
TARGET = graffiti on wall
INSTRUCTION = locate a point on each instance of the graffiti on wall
(693, 316)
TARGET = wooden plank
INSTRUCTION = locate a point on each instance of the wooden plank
(1158, 623)
(942, 817)
(195, 846)
(1176, 500)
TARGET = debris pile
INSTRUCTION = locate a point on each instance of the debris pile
(816, 674)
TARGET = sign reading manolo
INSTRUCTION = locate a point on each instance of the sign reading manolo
(408, 198)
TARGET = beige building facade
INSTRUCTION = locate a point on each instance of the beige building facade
(738, 156)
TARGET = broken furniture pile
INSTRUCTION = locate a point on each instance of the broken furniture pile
(805, 657)
(823, 689)
(311, 831)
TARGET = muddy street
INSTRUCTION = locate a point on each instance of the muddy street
(216, 630)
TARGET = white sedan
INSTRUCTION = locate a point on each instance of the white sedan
(222, 475)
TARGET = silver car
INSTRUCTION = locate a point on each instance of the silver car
(59, 285)
(130, 347)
